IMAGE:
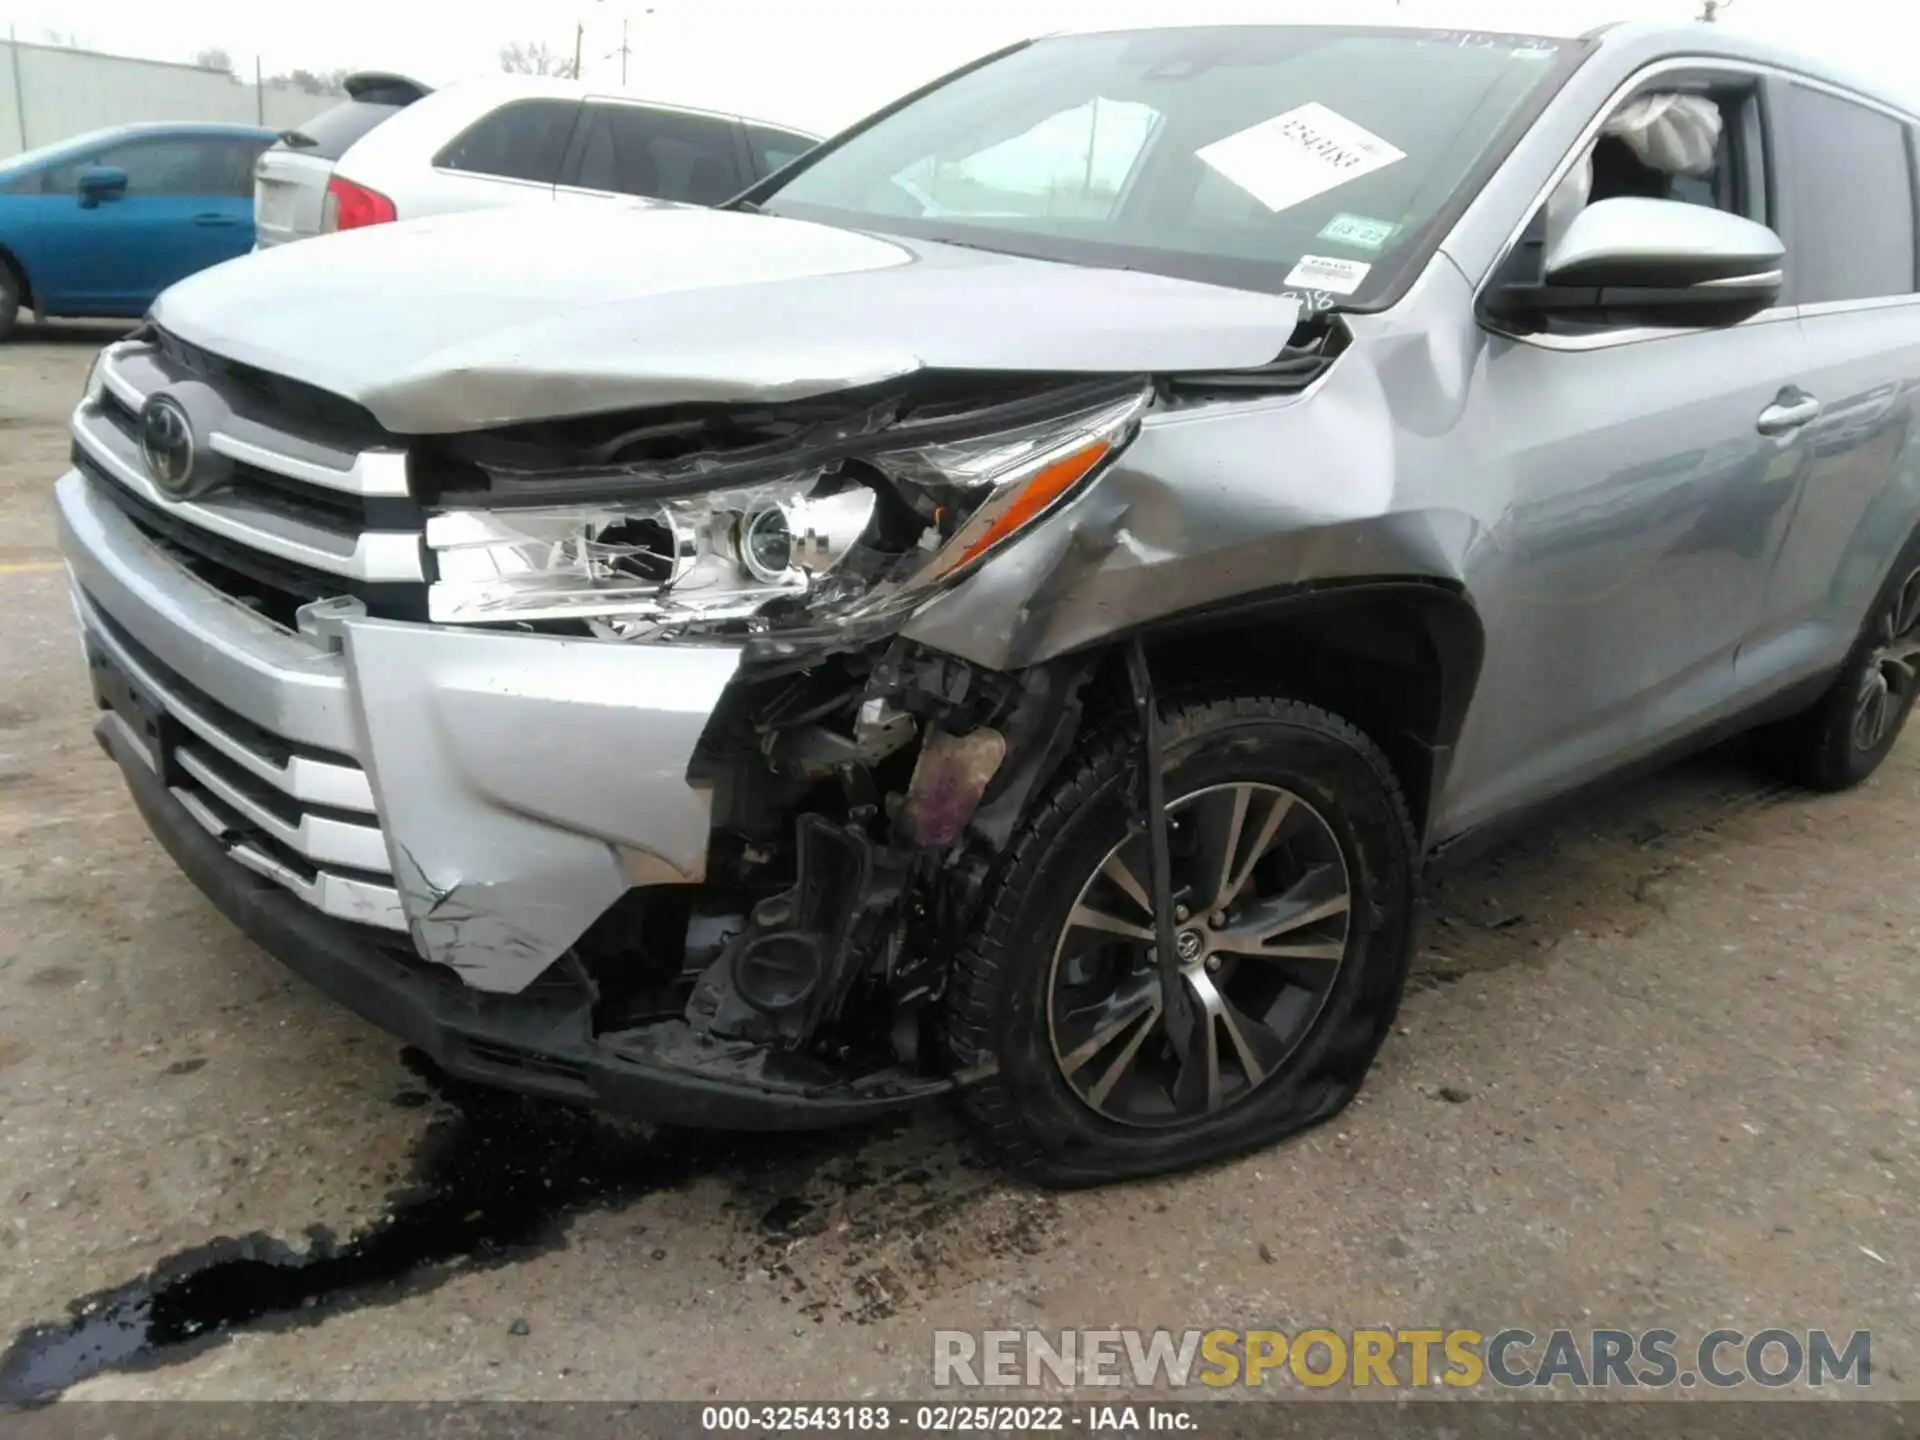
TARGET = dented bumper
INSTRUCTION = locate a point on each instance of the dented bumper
(428, 781)
(540, 1043)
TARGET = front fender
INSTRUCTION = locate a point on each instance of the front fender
(1357, 477)
(1193, 517)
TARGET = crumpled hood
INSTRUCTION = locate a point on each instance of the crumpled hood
(465, 321)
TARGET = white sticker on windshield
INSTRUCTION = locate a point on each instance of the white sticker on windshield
(1293, 157)
(1329, 273)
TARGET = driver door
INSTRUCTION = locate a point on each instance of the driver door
(1649, 487)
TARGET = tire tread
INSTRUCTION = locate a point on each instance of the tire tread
(981, 970)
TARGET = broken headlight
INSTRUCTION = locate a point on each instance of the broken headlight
(863, 536)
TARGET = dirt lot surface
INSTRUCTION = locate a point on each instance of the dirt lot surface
(1657, 1069)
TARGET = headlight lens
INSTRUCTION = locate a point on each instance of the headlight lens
(766, 544)
(865, 536)
(708, 557)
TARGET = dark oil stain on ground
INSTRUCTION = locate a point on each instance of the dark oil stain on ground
(493, 1182)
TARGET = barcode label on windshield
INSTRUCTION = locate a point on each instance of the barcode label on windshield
(1329, 273)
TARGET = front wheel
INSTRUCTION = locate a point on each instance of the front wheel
(1293, 864)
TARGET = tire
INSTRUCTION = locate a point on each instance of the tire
(9, 299)
(1841, 739)
(1345, 821)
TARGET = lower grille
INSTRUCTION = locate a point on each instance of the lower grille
(302, 817)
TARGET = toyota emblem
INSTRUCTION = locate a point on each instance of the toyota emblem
(166, 443)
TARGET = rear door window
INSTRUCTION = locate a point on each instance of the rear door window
(660, 154)
(234, 168)
(776, 149)
(1849, 211)
(523, 140)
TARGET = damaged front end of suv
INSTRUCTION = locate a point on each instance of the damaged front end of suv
(933, 624)
(857, 785)
(789, 937)
(661, 755)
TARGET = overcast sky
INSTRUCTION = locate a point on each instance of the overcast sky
(822, 63)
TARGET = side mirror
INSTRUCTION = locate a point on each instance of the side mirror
(101, 182)
(1656, 262)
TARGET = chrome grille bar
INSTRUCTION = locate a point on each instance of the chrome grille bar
(372, 555)
(133, 370)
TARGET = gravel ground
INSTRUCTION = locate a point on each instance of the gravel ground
(1656, 1069)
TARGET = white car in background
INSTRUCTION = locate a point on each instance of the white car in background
(516, 139)
(290, 179)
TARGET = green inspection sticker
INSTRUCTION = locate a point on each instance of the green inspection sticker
(1359, 232)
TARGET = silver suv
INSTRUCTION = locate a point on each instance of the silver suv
(1011, 607)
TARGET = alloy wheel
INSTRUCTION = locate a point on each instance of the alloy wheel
(1888, 686)
(1263, 905)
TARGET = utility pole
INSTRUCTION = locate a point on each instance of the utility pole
(579, 34)
(19, 89)
(259, 94)
(624, 52)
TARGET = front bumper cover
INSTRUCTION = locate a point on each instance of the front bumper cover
(522, 783)
(540, 1042)
(516, 784)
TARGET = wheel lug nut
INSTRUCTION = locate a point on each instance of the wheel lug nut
(1217, 920)
(1213, 963)
(1180, 912)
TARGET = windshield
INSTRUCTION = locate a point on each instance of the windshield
(1280, 158)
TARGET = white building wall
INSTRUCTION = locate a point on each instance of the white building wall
(51, 93)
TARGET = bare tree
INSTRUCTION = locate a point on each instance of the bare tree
(214, 58)
(536, 57)
(1710, 9)
(310, 82)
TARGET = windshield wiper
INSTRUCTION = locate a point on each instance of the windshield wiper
(1315, 345)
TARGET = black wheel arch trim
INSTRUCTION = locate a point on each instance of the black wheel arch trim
(1449, 628)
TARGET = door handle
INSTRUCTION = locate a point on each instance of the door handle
(215, 219)
(1791, 409)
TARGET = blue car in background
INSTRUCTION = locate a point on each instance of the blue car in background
(101, 223)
